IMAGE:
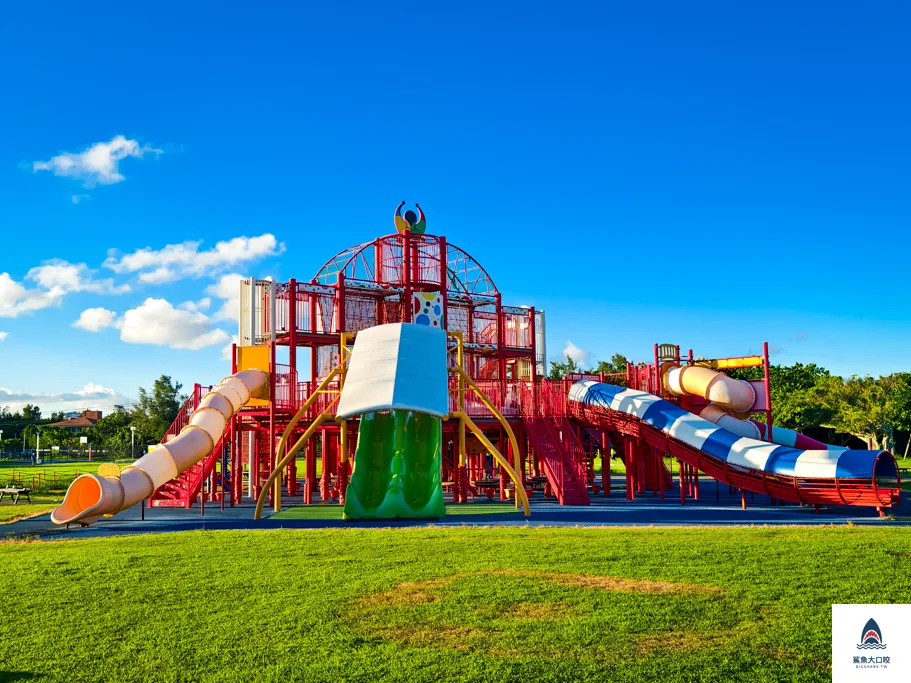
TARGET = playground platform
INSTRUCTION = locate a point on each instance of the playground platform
(717, 506)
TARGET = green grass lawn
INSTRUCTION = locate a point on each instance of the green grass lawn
(47, 477)
(431, 604)
(10, 513)
(334, 511)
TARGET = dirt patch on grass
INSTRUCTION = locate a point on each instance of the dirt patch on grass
(676, 641)
(407, 594)
(411, 593)
(608, 583)
(450, 637)
(540, 611)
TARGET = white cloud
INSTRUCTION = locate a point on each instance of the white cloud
(55, 279)
(202, 305)
(94, 319)
(159, 276)
(99, 163)
(73, 277)
(3, 335)
(16, 299)
(228, 348)
(157, 321)
(90, 396)
(580, 356)
(228, 289)
(80, 198)
(176, 261)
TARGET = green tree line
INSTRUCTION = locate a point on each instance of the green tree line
(150, 418)
(876, 410)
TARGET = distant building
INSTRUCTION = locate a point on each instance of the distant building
(76, 424)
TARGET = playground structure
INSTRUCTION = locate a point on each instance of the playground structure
(479, 418)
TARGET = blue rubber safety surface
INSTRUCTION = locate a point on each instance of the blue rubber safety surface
(717, 506)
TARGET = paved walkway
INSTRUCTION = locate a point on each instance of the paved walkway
(646, 510)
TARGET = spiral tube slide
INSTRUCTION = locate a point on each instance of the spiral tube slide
(757, 430)
(811, 475)
(91, 496)
(729, 394)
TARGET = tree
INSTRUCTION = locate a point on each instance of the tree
(796, 391)
(30, 412)
(870, 409)
(560, 369)
(615, 365)
(158, 408)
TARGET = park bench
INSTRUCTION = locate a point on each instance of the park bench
(15, 493)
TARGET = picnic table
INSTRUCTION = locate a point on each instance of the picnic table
(15, 492)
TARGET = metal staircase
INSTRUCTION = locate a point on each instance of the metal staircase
(562, 456)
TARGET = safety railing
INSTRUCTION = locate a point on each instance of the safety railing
(186, 411)
(284, 387)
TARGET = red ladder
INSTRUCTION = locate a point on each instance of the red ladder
(184, 490)
(561, 455)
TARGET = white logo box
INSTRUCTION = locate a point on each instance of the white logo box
(884, 656)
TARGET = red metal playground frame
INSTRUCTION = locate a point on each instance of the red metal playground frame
(372, 283)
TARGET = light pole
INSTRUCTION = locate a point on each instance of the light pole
(132, 441)
(1, 442)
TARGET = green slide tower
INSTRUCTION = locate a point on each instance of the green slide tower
(397, 467)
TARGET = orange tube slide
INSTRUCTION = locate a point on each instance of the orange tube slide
(91, 496)
(733, 394)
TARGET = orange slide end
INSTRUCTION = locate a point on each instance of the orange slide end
(92, 496)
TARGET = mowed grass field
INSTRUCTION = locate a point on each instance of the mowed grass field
(47, 477)
(431, 604)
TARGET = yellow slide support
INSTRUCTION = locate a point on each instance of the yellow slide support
(521, 496)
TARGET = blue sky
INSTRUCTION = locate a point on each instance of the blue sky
(713, 176)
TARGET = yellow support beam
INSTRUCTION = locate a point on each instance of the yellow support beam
(465, 379)
(521, 496)
(275, 477)
(730, 363)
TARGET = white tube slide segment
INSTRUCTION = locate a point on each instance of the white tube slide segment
(91, 496)
(736, 394)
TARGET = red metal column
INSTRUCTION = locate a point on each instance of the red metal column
(254, 461)
(657, 383)
(272, 444)
(768, 391)
(408, 309)
(344, 467)
(444, 270)
(501, 352)
(310, 471)
(326, 475)
(236, 454)
(501, 439)
(659, 468)
(682, 476)
(292, 330)
(292, 371)
(628, 457)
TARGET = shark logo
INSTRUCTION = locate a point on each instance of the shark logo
(872, 637)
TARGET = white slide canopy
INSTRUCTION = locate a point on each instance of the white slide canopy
(399, 366)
